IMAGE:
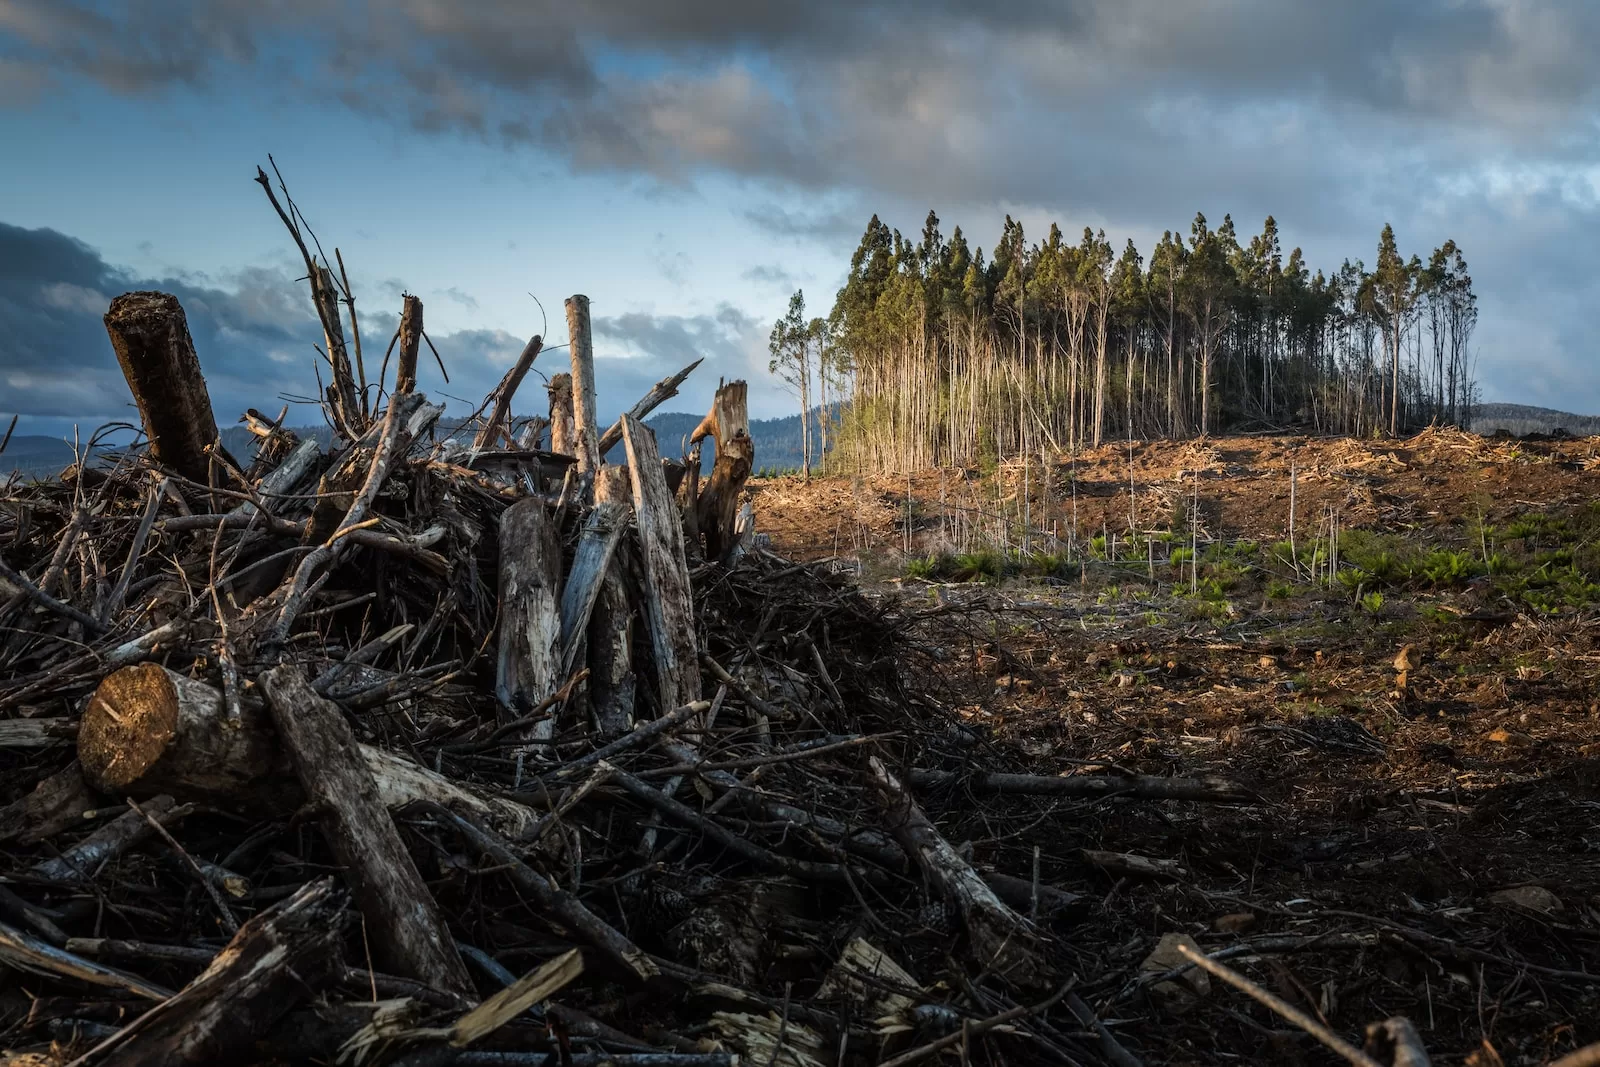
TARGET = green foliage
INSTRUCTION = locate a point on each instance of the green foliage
(1372, 603)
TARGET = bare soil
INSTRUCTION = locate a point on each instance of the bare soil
(1397, 807)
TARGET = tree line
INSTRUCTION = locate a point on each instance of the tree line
(934, 354)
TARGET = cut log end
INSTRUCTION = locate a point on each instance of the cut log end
(128, 726)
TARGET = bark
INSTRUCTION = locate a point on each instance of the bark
(405, 374)
(587, 434)
(562, 434)
(528, 668)
(717, 509)
(403, 925)
(150, 336)
(669, 602)
(278, 958)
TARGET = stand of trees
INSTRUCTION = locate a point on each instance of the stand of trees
(946, 357)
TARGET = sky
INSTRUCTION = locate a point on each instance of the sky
(689, 164)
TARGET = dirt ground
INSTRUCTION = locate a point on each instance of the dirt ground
(1420, 729)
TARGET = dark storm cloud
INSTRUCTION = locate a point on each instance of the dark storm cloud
(56, 363)
(1442, 116)
(55, 359)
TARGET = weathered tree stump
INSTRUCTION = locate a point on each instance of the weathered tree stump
(717, 509)
(405, 373)
(587, 434)
(150, 335)
(612, 687)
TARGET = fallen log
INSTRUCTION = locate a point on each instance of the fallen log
(150, 336)
(148, 730)
(27, 953)
(278, 958)
(1000, 939)
(402, 921)
(1140, 786)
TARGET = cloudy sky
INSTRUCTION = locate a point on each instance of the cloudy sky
(688, 163)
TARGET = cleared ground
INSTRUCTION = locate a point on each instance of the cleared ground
(1419, 721)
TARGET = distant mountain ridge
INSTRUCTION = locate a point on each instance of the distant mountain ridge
(1519, 419)
(777, 444)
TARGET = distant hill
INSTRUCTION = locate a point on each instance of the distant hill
(34, 455)
(777, 444)
(1522, 419)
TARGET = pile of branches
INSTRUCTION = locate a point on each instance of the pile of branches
(506, 745)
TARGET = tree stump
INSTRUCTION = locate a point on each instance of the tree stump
(150, 335)
(717, 509)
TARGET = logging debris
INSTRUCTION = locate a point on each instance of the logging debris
(441, 747)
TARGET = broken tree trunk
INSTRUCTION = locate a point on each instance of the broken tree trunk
(590, 564)
(148, 731)
(403, 924)
(610, 631)
(342, 394)
(528, 667)
(717, 510)
(279, 957)
(587, 434)
(150, 335)
(660, 393)
(669, 602)
(405, 372)
(1000, 939)
(562, 434)
(501, 412)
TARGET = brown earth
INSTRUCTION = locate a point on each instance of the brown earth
(1438, 828)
